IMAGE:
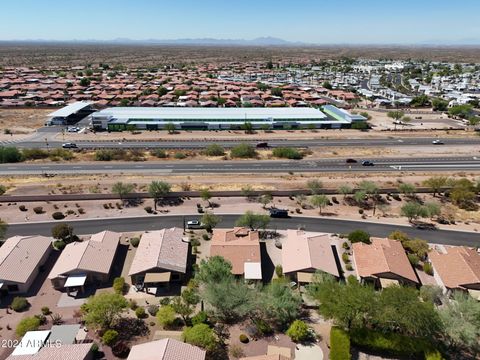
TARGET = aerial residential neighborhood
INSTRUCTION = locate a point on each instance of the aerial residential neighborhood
(264, 180)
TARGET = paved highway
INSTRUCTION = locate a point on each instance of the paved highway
(309, 224)
(470, 163)
(38, 142)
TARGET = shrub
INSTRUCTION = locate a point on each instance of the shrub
(200, 335)
(349, 267)
(19, 304)
(243, 338)
(214, 150)
(345, 245)
(10, 155)
(120, 349)
(298, 331)
(94, 349)
(132, 304)
(243, 151)
(414, 260)
(428, 268)
(361, 211)
(119, 285)
(166, 316)
(205, 237)
(103, 155)
(200, 318)
(110, 337)
(148, 209)
(3, 189)
(46, 310)
(345, 258)
(433, 355)
(279, 271)
(57, 215)
(38, 210)
(180, 155)
(152, 309)
(34, 154)
(165, 301)
(140, 312)
(59, 244)
(392, 344)
(27, 324)
(263, 327)
(359, 236)
(42, 318)
(23, 208)
(287, 153)
(339, 344)
(159, 153)
(135, 241)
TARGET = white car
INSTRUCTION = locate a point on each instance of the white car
(194, 224)
(437, 142)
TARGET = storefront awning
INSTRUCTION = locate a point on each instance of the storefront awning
(157, 277)
(75, 280)
(252, 270)
(303, 277)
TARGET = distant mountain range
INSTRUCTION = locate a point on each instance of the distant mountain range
(260, 41)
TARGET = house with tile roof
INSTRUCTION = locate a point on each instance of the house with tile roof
(45, 350)
(84, 262)
(21, 259)
(304, 253)
(456, 268)
(162, 257)
(241, 247)
(166, 349)
(383, 262)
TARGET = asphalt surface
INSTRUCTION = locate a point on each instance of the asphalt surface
(39, 142)
(445, 164)
(310, 224)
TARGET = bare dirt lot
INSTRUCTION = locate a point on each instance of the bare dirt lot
(24, 54)
(21, 122)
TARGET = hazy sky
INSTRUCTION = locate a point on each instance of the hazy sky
(314, 21)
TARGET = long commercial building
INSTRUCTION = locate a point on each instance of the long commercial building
(148, 118)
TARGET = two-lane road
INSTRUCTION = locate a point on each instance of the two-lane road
(309, 224)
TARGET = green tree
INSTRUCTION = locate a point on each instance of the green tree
(431, 293)
(359, 236)
(371, 191)
(200, 335)
(413, 210)
(244, 151)
(170, 127)
(345, 190)
(461, 321)
(265, 199)
(436, 184)
(214, 270)
(253, 221)
(63, 232)
(84, 82)
(298, 331)
(463, 194)
(439, 105)
(319, 201)
(279, 304)
(3, 229)
(122, 189)
(462, 111)
(206, 195)
(158, 190)
(407, 189)
(400, 310)
(166, 315)
(10, 155)
(247, 127)
(276, 91)
(395, 115)
(104, 309)
(209, 220)
(315, 186)
(214, 150)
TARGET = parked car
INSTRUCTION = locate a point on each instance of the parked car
(437, 142)
(351, 161)
(367, 163)
(262, 145)
(194, 224)
(69, 146)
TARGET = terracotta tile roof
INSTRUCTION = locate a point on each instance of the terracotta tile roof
(64, 352)
(163, 249)
(382, 256)
(457, 267)
(238, 245)
(20, 256)
(306, 250)
(166, 349)
(95, 255)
